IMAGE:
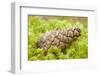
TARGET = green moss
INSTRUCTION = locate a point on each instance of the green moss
(38, 25)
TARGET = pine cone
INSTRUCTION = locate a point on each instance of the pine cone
(59, 38)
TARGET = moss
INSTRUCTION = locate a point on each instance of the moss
(38, 25)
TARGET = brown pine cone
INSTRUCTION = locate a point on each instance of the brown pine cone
(59, 38)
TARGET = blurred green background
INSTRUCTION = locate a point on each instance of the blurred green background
(38, 25)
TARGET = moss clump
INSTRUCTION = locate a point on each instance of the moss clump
(38, 25)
